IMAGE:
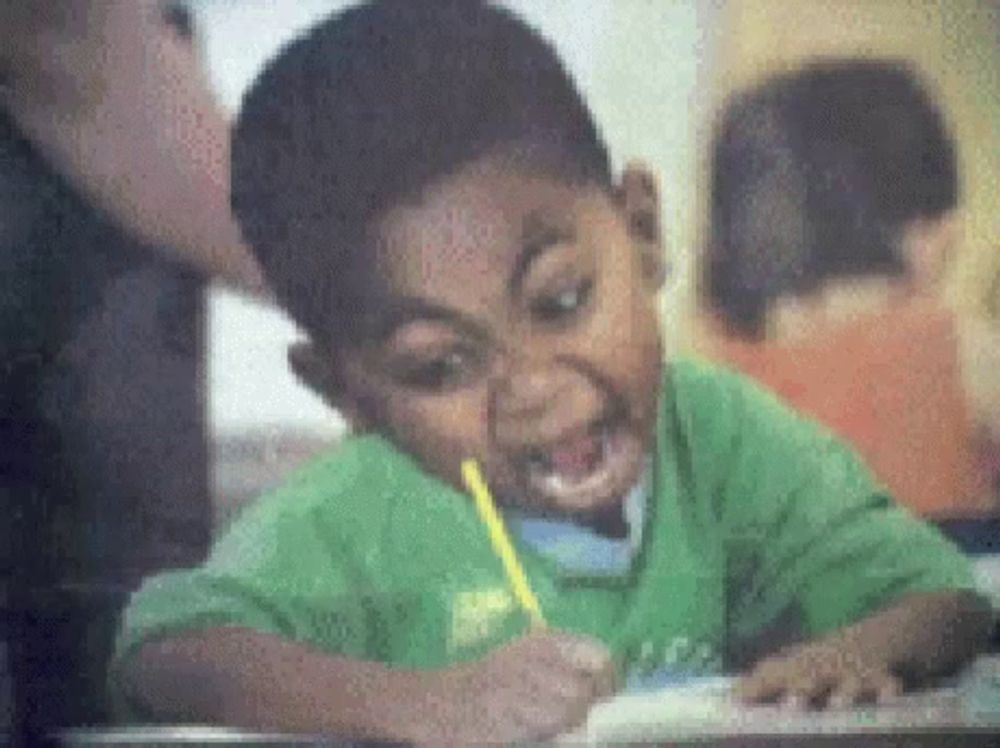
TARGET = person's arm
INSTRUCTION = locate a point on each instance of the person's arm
(533, 688)
(912, 640)
(868, 597)
(116, 101)
(244, 678)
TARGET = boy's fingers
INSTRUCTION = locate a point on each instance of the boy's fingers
(552, 702)
(597, 683)
(560, 687)
(799, 688)
(804, 693)
(606, 681)
(764, 683)
(889, 688)
(794, 701)
(536, 720)
(792, 687)
(544, 720)
(584, 654)
(851, 690)
(748, 688)
(875, 687)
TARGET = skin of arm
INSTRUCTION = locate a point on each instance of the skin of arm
(534, 687)
(259, 681)
(918, 637)
(117, 102)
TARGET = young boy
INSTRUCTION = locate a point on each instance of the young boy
(433, 204)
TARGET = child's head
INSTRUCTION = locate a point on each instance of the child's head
(840, 170)
(431, 201)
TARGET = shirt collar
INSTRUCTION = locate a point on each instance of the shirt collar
(579, 550)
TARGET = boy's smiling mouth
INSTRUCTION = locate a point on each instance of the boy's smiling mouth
(585, 470)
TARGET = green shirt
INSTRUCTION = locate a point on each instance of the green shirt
(755, 516)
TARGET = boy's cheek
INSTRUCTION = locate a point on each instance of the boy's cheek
(440, 433)
(636, 363)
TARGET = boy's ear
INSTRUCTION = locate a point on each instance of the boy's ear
(319, 372)
(639, 198)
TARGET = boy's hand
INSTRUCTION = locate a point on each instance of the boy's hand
(533, 688)
(831, 672)
(920, 636)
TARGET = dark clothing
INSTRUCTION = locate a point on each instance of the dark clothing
(45, 230)
(82, 514)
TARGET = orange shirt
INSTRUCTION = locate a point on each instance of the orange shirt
(891, 384)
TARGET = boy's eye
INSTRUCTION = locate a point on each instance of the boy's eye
(437, 373)
(566, 302)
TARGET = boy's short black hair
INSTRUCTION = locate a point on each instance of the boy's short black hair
(814, 174)
(368, 108)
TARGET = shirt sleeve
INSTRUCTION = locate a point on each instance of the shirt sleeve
(278, 571)
(809, 532)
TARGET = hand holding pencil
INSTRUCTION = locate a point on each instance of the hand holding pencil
(533, 688)
(536, 687)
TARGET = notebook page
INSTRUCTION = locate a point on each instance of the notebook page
(707, 708)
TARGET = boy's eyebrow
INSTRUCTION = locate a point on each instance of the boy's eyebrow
(538, 235)
(402, 310)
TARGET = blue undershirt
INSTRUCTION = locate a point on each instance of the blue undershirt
(576, 549)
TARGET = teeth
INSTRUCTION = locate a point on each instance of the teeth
(554, 482)
(614, 457)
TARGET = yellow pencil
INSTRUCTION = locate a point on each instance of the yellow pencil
(516, 577)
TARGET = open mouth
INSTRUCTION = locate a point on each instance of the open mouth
(588, 470)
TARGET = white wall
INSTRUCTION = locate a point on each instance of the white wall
(636, 62)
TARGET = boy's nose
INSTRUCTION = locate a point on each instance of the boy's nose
(527, 389)
(541, 401)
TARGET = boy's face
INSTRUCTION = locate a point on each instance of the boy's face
(515, 322)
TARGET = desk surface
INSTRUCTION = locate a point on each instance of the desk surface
(966, 713)
(706, 711)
